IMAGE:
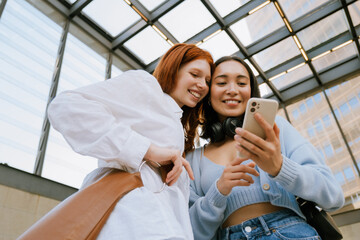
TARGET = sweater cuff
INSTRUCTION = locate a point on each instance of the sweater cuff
(215, 197)
(135, 148)
(288, 172)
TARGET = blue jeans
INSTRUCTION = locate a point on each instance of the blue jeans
(284, 224)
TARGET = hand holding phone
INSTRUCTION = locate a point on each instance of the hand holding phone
(267, 108)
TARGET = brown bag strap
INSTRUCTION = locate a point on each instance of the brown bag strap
(82, 215)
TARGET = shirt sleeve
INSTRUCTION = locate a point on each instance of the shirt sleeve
(304, 172)
(93, 119)
(206, 211)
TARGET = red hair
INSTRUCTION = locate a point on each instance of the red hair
(166, 73)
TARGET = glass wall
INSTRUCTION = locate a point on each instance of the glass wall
(82, 65)
(29, 42)
(313, 118)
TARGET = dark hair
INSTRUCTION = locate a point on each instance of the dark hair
(210, 117)
(166, 73)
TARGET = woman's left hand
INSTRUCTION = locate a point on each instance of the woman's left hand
(266, 153)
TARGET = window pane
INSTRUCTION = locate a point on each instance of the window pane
(258, 24)
(220, 45)
(194, 18)
(228, 6)
(81, 66)
(276, 54)
(292, 77)
(349, 120)
(109, 14)
(148, 45)
(264, 90)
(334, 57)
(325, 134)
(323, 30)
(297, 8)
(118, 66)
(354, 10)
(151, 4)
(28, 49)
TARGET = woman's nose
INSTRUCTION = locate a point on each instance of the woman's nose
(202, 83)
(231, 88)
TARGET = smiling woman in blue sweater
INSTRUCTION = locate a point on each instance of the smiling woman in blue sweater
(254, 196)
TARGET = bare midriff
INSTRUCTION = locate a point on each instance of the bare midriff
(249, 212)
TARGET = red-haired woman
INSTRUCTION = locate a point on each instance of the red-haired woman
(134, 117)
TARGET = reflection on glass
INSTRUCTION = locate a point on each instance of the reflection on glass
(277, 53)
(81, 66)
(334, 57)
(151, 4)
(292, 77)
(346, 99)
(148, 45)
(312, 117)
(297, 8)
(258, 24)
(323, 30)
(220, 45)
(28, 49)
(109, 14)
(228, 6)
(187, 19)
(354, 10)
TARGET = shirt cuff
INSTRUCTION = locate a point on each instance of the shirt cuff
(288, 172)
(135, 148)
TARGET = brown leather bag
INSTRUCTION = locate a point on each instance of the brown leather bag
(83, 214)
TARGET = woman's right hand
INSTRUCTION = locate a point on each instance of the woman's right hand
(236, 174)
(166, 156)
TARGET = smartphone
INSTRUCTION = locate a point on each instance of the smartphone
(266, 107)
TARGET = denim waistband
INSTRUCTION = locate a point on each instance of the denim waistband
(264, 224)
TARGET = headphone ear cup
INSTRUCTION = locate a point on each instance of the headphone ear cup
(217, 132)
(230, 124)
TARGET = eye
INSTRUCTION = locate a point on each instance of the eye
(194, 75)
(221, 83)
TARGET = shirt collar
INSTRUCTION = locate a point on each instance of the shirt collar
(173, 105)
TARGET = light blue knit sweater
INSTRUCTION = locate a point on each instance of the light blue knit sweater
(303, 173)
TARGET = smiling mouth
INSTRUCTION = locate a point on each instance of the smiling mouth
(195, 94)
(232, 101)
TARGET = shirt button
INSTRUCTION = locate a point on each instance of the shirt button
(266, 186)
(247, 229)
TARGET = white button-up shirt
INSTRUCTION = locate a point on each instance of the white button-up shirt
(115, 121)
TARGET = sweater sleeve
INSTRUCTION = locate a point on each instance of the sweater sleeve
(206, 210)
(304, 172)
(92, 119)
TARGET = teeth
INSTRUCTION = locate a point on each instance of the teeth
(195, 94)
(231, 101)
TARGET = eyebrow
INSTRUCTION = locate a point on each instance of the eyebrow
(225, 76)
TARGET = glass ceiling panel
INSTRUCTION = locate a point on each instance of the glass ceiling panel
(323, 30)
(187, 19)
(276, 54)
(258, 25)
(148, 45)
(296, 8)
(334, 57)
(71, 1)
(292, 77)
(220, 45)
(151, 4)
(354, 10)
(228, 6)
(264, 90)
(109, 14)
(256, 73)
